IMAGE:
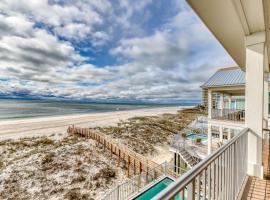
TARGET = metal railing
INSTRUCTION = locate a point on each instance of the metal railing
(179, 142)
(220, 176)
(228, 114)
(134, 185)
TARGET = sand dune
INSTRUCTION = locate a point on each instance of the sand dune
(59, 124)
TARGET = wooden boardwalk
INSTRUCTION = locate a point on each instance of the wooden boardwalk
(134, 161)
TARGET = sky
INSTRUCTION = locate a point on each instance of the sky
(154, 50)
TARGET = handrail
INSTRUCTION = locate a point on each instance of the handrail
(228, 114)
(173, 189)
(131, 157)
(134, 185)
(178, 142)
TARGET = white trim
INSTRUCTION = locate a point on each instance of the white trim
(227, 124)
(255, 38)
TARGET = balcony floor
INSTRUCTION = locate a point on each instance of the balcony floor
(256, 189)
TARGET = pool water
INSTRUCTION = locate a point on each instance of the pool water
(155, 189)
(193, 136)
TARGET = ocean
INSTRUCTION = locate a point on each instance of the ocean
(19, 109)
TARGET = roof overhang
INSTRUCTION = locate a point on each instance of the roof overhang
(226, 87)
(231, 21)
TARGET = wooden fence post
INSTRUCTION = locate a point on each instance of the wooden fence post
(134, 166)
(119, 156)
(111, 150)
(128, 156)
(128, 165)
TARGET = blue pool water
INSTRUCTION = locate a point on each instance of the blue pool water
(155, 189)
(193, 136)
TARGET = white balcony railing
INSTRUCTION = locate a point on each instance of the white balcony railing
(220, 176)
(228, 114)
(137, 183)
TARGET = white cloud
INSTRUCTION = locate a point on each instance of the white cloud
(15, 25)
(73, 31)
(155, 51)
(70, 19)
(168, 63)
(50, 12)
(30, 53)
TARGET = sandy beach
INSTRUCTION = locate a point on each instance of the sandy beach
(59, 124)
(57, 165)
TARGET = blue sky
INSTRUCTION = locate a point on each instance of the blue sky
(105, 49)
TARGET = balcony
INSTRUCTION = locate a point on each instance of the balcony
(222, 175)
(228, 114)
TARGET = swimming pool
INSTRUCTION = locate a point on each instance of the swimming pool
(193, 136)
(155, 189)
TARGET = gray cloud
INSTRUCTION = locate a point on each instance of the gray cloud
(170, 63)
(157, 50)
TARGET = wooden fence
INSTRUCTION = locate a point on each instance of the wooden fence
(133, 161)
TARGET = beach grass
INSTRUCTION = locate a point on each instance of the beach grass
(143, 133)
(71, 167)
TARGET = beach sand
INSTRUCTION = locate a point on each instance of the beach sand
(54, 165)
(58, 124)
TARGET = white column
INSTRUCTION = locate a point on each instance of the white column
(255, 52)
(209, 138)
(221, 101)
(209, 104)
(229, 133)
(230, 101)
(221, 104)
(220, 133)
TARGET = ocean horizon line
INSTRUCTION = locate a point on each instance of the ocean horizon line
(22, 109)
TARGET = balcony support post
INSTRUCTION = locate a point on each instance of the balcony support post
(230, 101)
(221, 101)
(209, 104)
(229, 133)
(209, 138)
(255, 68)
(221, 133)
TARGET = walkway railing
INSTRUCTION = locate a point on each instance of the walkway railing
(136, 184)
(133, 160)
(228, 114)
(179, 142)
(220, 176)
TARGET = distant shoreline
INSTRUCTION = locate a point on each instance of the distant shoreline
(30, 109)
(75, 115)
(40, 126)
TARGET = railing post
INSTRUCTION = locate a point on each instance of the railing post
(118, 194)
(191, 190)
(165, 168)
